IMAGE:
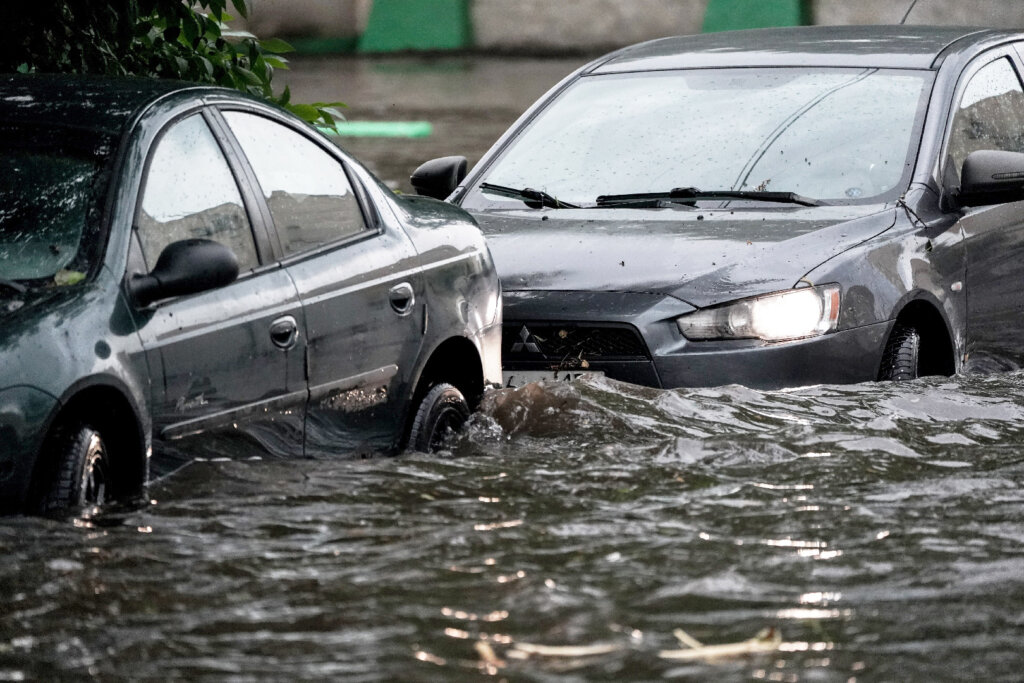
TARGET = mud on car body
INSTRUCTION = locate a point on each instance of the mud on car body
(185, 270)
(771, 208)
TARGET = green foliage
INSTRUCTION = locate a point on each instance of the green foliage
(154, 38)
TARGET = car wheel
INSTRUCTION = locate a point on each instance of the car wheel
(80, 471)
(441, 411)
(902, 353)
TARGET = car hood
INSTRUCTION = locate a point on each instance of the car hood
(701, 257)
(17, 309)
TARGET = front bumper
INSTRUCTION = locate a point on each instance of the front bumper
(591, 331)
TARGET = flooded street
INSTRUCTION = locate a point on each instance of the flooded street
(878, 529)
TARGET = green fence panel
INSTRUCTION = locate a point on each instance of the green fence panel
(397, 25)
(728, 15)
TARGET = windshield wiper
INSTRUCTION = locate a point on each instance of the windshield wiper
(11, 284)
(528, 196)
(685, 195)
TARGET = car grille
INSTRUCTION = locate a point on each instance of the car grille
(571, 345)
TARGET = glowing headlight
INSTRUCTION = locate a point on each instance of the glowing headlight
(794, 314)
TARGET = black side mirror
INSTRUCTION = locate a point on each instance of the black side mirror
(185, 267)
(991, 177)
(438, 178)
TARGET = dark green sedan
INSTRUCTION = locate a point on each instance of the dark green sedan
(187, 271)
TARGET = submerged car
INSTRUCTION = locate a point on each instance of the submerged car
(771, 208)
(183, 268)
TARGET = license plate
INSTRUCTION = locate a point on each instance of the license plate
(517, 378)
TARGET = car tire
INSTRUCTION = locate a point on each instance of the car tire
(80, 471)
(901, 359)
(442, 411)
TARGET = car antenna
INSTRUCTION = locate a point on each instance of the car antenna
(909, 10)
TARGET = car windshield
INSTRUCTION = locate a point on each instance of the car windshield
(833, 135)
(50, 192)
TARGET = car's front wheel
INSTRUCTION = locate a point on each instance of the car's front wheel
(80, 471)
(442, 411)
(901, 359)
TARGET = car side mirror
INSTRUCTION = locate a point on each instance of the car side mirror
(185, 267)
(438, 178)
(991, 177)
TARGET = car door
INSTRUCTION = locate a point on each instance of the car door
(359, 283)
(989, 114)
(231, 360)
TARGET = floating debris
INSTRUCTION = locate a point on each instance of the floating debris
(525, 650)
(768, 640)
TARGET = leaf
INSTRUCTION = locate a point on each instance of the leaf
(277, 62)
(276, 45)
(329, 113)
(306, 112)
(237, 36)
(241, 8)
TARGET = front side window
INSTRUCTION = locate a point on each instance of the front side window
(837, 135)
(990, 115)
(307, 190)
(189, 193)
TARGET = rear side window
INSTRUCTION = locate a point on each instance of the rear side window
(190, 192)
(990, 115)
(310, 197)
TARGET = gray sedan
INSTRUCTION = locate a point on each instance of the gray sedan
(771, 208)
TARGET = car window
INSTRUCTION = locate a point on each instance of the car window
(190, 192)
(310, 197)
(990, 114)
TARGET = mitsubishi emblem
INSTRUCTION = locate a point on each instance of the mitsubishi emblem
(526, 343)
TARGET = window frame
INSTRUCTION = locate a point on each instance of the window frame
(979, 63)
(372, 222)
(256, 229)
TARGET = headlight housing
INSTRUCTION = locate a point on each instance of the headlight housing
(793, 314)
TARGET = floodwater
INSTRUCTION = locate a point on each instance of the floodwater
(877, 529)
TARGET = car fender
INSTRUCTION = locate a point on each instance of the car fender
(921, 259)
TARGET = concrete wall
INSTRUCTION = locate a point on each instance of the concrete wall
(308, 18)
(580, 25)
(1002, 13)
(549, 26)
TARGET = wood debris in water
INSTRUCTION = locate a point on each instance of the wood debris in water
(767, 640)
(524, 650)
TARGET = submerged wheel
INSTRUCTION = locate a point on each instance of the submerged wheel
(901, 359)
(442, 411)
(80, 472)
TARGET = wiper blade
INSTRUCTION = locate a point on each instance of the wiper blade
(11, 284)
(691, 194)
(528, 196)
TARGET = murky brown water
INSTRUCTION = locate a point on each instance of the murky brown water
(879, 527)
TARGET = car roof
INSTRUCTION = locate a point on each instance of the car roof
(908, 47)
(98, 103)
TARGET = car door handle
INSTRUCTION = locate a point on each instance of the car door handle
(402, 298)
(284, 332)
